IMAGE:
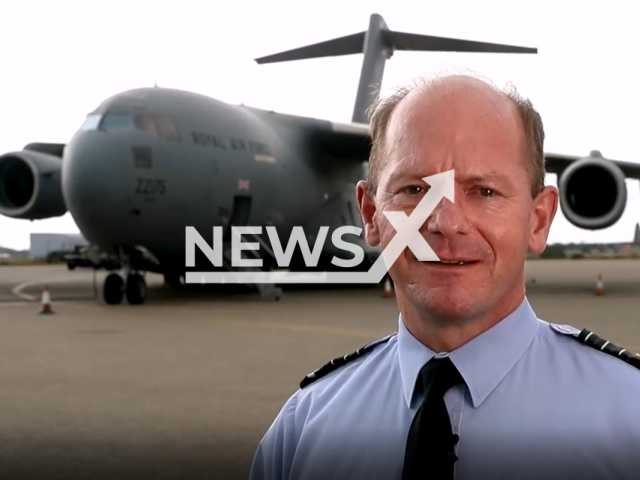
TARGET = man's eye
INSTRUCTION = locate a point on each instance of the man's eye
(486, 192)
(414, 190)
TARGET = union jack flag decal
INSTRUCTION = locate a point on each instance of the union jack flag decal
(243, 184)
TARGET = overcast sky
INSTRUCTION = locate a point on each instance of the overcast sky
(60, 59)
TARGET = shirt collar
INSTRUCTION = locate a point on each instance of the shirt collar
(483, 361)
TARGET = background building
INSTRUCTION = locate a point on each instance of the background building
(9, 253)
(44, 244)
(587, 250)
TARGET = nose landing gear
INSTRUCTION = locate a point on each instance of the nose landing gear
(115, 288)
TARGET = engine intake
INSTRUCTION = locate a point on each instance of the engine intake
(593, 193)
(30, 185)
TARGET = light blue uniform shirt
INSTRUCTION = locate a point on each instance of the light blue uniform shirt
(536, 404)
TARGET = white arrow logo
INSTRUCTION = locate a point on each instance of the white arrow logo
(418, 245)
(442, 185)
(408, 235)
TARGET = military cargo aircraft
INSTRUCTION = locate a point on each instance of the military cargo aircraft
(149, 162)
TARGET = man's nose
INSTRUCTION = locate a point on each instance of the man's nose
(448, 219)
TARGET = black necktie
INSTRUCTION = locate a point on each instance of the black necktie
(429, 454)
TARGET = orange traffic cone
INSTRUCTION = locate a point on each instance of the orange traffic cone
(46, 302)
(599, 286)
(388, 289)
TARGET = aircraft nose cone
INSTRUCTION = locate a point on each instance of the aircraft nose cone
(94, 183)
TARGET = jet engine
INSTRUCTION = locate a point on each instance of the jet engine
(30, 185)
(593, 193)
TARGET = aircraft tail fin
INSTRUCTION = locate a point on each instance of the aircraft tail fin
(636, 238)
(378, 44)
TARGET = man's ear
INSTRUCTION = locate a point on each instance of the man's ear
(543, 212)
(367, 206)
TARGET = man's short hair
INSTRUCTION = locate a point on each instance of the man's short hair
(381, 110)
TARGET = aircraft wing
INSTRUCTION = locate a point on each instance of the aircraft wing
(55, 149)
(352, 141)
(346, 141)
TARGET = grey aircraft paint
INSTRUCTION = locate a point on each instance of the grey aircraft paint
(149, 162)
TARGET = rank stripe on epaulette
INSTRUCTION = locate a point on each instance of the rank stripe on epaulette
(591, 339)
(338, 362)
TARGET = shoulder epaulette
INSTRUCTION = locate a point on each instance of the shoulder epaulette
(594, 341)
(340, 361)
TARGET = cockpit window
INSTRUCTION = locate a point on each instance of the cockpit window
(157, 125)
(167, 129)
(91, 122)
(145, 123)
(116, 121)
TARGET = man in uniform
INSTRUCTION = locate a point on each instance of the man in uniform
(472, 385)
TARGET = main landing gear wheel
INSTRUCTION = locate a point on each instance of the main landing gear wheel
(136, 289)
(113, 289)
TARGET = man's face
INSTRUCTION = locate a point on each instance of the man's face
(465, 126)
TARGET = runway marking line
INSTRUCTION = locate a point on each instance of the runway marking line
(18, 289)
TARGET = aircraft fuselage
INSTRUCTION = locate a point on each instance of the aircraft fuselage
(147, 163)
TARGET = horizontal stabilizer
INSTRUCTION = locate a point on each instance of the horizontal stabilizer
(415, 42)
(348, 45)
(378, 44)
(353, 44)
